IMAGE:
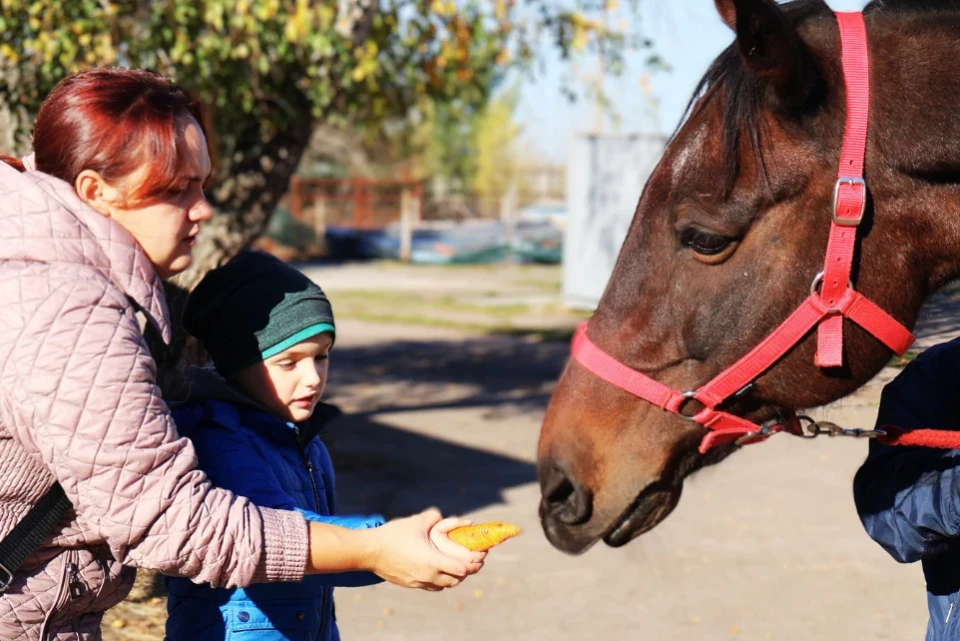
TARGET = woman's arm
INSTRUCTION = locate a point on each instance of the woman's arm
(78, 388)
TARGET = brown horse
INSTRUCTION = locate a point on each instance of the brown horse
(729, 232)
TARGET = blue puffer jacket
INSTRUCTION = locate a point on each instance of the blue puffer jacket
(244, 449)
(909, 498)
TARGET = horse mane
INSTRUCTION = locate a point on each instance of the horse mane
(913, 6)
(743, 93)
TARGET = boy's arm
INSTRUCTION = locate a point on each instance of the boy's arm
(908, 499)
(232, 462)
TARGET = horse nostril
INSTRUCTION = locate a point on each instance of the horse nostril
(569, 501)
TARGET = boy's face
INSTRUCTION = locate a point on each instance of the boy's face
(290, 383)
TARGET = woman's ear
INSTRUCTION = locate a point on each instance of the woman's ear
(92, 189)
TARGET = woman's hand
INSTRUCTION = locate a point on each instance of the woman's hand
(414, 552)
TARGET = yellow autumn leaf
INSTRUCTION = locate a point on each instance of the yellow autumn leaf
(326, 15)
(579, 40)
(443, 7)
(299, 24)
(6, 51)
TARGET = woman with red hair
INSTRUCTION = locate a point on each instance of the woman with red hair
(110, 203)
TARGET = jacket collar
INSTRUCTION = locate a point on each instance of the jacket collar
(207, 385)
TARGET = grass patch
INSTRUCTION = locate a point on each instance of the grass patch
(546, 335)
(483, 314)
(360, 301)
(902, 361)
(549, 285)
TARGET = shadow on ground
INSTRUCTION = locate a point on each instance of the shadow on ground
(395, 472)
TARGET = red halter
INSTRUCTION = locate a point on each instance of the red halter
(832, 297)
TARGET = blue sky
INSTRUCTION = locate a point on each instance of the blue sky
(688, 34)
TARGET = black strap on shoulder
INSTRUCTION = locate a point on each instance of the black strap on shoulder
(29, 533)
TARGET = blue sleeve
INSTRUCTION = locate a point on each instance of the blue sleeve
(908, 498)
(348, 579)
(233, 463)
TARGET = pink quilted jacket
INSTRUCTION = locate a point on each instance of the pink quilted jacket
(78, 403)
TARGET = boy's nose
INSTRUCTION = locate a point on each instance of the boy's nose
(313, 379)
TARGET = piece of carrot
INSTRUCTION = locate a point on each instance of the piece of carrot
(483, 536)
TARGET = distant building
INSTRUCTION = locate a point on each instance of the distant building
(605, 176)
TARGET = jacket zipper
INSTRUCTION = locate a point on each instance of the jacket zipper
(324, 603)
(69, 583)
(325, 591)
(73, 581)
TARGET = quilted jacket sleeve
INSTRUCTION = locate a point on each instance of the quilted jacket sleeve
(909, 498)
(78, 388)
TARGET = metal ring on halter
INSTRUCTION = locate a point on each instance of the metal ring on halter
(818, 280)
(812, 426)
(688, 395)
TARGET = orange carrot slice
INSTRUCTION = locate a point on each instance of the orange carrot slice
(480, 537)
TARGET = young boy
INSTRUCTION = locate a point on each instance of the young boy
(254, 423)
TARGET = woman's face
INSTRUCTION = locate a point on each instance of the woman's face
(166, 226)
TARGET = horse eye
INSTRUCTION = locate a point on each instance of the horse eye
(704, 243)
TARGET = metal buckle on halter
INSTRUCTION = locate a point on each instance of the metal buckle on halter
(6, 580)
(849, 222)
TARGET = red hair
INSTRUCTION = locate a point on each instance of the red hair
(113, 121)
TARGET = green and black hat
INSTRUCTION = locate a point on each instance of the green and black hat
(252, 308)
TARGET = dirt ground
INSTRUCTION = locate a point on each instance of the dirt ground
(766, 546)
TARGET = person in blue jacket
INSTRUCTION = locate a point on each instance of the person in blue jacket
(908, 498)
(254, 422)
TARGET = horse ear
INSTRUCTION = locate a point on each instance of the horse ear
(773, 50)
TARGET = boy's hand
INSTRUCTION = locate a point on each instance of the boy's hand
(404, 554)
(438, 536)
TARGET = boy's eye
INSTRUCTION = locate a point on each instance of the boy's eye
(322, 357)
(285, 364)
